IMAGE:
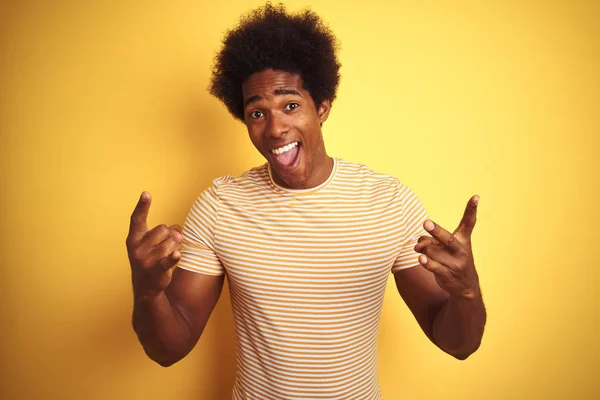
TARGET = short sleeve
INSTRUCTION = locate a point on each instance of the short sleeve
(413, 217)
(198, 252)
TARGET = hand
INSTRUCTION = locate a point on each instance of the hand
(152, 254)
(450, 256)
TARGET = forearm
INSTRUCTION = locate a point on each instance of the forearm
(161, 329)
(458, 326)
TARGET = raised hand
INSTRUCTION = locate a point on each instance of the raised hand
(152, 253)
(450, 256)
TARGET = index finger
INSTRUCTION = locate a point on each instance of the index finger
(138, 226)
(446, 239)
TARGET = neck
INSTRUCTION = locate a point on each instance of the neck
(319, 174)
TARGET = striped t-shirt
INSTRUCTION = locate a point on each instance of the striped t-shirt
(307, 271)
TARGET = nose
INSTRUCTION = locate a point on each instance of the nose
(277, 125)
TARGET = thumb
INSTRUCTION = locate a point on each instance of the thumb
(138, 226)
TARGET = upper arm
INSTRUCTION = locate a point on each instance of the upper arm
(422, 294)
(417, 286)
(194, 295)
(197, 281)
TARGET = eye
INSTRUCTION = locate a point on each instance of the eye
(256, 114)
(291, 106)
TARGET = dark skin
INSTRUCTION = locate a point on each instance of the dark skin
(278, 110)
(173, 305)
(443, 293)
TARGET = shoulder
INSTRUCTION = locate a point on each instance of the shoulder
(251, 181)
(363, 179)
(359, 174)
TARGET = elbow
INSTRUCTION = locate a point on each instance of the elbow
(462, 356)
(164, 353)
(166, 363)
(165, 359)
(465, 354)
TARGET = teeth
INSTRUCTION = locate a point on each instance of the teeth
(285, 148)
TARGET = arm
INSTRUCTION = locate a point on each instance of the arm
(453, 324)
(170, 323)
(458, 326)
(171, 305)
(423, 296)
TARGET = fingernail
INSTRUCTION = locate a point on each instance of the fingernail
(424, 260)
(428, 225)
(476, 200)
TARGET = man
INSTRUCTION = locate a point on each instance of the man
(307, 241)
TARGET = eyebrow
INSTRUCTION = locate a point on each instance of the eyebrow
(277, 92)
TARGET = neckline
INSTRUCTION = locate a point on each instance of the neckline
(304, 191)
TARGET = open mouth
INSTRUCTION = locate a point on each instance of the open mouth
(287, 156)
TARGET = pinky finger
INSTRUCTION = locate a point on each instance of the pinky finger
(431, 265)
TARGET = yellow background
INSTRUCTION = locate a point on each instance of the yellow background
(101, 100)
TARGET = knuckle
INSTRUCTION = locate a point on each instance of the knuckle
(168, 244)
(137, 254)
(165, 249)
(176, 228)
(159, 233)
(457, 264)
(162, 228)
(427, 251)
(146, 263)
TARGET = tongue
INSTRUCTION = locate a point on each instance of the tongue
(287, 158)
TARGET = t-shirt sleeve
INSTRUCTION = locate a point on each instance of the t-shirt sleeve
(413, 215)
(198, 252)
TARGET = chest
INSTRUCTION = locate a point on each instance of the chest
(295, 246)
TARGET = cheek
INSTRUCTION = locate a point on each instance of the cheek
(255, 138)
(306, 125)
(311, 131)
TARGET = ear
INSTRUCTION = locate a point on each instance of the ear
(323, 110)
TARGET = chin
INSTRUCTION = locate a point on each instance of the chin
(295, 179)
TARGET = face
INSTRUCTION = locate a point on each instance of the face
(285, 127)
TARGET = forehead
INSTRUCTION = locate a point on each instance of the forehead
(265, 83)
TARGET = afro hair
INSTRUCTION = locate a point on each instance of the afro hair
(270, 38)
